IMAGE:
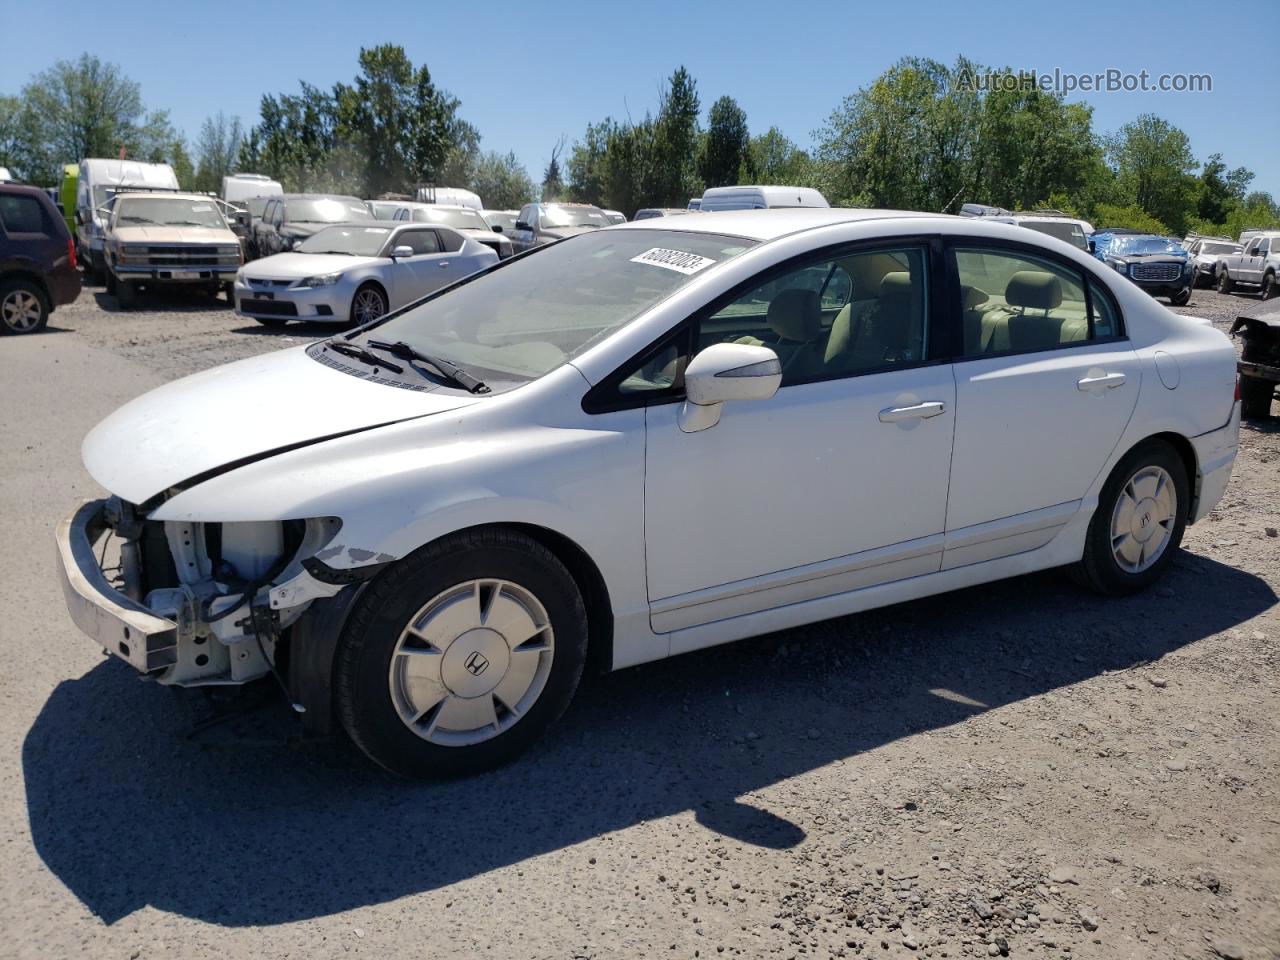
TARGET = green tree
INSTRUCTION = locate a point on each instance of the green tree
(217, 151)
(86, 108)
(777, 160)
(11, 139)
(1153, 163)
(1220, 190)
(552, 181)
(587, 164)
(501, 181)
(671, 178)
(726, 155)
(1132, 216)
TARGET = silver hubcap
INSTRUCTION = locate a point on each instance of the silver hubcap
(368, 306)
(1143, 519)
(21, 311)
(471, 662)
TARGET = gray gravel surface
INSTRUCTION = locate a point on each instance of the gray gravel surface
(1016, 769)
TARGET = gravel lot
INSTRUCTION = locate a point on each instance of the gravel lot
(1017, 769)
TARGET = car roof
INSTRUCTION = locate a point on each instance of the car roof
(777, 222)
(316, 196)
(169, 194)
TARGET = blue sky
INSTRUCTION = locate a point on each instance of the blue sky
(528, 73)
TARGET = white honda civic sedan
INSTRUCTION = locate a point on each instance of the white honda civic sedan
(352, 273)
(642, 441)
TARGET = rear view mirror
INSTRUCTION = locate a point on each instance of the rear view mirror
(401, 251)
(726, 372)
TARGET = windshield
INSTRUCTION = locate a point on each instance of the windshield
(1070, 232)
(459, 217)
(507, 221)
(557, 216)
(353, 241)
(1220, 248)
(327, 210)
(168, 211)
(534, 313)
(1144, 246)
(255, 206)
(385, 209)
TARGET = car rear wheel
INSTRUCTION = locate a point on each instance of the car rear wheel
(1138, 524)
(24, 308)
(367, 305)
(1268, 286)
(1225, 283)
(461, 655)
(1181, 298)
(1256, 395)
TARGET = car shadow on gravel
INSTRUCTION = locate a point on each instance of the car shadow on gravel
(167, 301)
(238, 827)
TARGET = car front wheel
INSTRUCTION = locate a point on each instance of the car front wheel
(1225, 283)
(461, 655)
(1138, 524)
(1269, 286)
(367, 305)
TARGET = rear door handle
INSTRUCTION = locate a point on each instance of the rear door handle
(1108, 380)
(443, 264)
(917, 411)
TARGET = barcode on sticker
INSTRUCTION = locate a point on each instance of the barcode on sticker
(677, 260)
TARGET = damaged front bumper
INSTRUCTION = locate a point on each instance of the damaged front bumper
(120, 624)
(201, 626)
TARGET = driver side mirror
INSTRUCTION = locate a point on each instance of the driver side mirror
(1093, 246)
(726, 372)
(404, 250)
(497, 228)
(523, 225)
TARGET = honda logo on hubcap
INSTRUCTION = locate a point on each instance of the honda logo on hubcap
(476, 664)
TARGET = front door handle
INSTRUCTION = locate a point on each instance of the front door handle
(443, 264)
(917, 411)
(1108, 380)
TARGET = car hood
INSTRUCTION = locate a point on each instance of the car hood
(484, 236)
(1148, 257)
(158, 234)
(300, 228)
(295, 266)
(232, 415)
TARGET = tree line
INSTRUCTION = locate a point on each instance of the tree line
(921, 136)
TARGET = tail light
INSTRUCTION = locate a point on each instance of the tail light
(71, 255)
(1237, 388)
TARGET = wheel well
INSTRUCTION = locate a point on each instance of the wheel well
(1187, 454)
(381, 289)
(34, 278)
(595, 595)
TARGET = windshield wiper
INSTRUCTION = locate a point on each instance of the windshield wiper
(134, 218)
(360, 353)
(449, 369)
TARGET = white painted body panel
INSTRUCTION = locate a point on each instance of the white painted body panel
(739, 537)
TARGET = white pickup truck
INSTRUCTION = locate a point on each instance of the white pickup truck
(1257, 265)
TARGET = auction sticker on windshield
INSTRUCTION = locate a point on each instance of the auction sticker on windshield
(677, 260)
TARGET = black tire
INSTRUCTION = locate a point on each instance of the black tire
(110, 283)
(1225, 283)
(369, 290)
(275, 323)
(1269, 286)
(126, 292)
(1098, 568)
(1256, 395)
(364, 659)
(1181, 298)
(18, 298)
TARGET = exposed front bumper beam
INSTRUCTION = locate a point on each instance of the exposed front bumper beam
(121, 625)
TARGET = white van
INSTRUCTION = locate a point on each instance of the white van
(239, 187)
(450, 197)
(760, 198)
(98, 183)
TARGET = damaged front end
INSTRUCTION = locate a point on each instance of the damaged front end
(195, 604)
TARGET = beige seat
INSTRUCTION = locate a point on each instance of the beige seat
(795, 317)
(870, 333)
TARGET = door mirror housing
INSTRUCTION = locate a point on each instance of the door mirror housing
(523, 225)
(497, 228)
(726, 372)
(402, 251)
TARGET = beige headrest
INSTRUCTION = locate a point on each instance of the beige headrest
(1033, 290)
(796, 314)
(971, 297)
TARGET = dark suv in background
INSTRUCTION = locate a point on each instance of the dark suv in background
(37, 259)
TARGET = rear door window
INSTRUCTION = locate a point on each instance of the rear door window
(21, 214)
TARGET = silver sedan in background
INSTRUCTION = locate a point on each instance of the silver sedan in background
(356, 272)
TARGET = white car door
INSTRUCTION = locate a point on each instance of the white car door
(1046, 383)
(428, 269)
(837, 482)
